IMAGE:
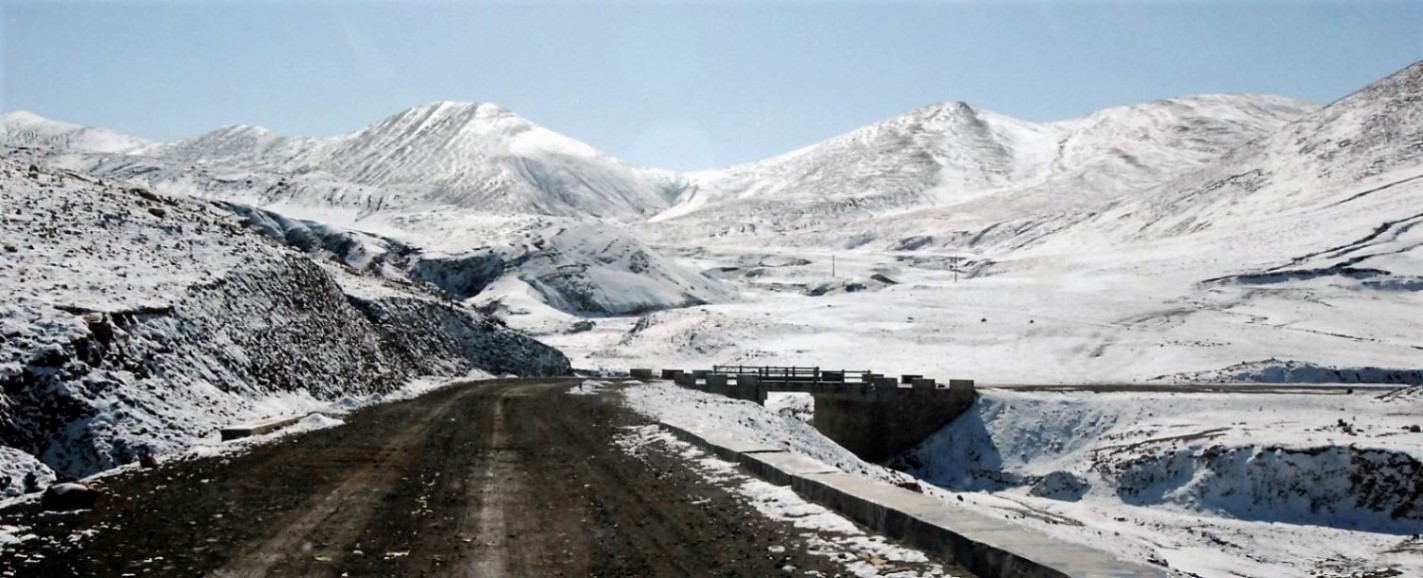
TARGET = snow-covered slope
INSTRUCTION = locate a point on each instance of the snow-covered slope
(21, 128)
(1341, 189)
(482, 157)
(236, 146)
(133, 322)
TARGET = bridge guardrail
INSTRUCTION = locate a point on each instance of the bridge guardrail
(796, 373)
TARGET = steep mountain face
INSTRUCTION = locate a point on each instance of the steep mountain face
(134, 322)
(955, 164)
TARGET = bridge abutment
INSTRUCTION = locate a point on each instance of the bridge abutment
(877, 423)
(875, 417)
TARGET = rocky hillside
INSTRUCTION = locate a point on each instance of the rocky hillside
(132, 322)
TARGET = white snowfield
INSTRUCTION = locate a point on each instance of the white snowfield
(1218, 238)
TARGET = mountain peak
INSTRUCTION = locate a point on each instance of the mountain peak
(471, 111)
(947, 109)
(243, 129)
(25, 117)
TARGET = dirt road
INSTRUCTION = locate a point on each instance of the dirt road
(508, 478)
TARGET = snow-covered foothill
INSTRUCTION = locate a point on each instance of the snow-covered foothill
(21, 128)
(1296, 372)
(599, 269)
(133, 322)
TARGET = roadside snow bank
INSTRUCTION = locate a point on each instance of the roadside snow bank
(588, 387)
(1288, 371)
(747, 421)
(824, 532)
(1328, 459)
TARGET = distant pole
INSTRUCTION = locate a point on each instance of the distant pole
(832, 264)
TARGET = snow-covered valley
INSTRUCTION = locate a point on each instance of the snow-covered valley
(153, 291)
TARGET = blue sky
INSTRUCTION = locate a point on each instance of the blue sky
(679, 85)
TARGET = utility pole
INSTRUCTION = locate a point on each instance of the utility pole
(832, 264)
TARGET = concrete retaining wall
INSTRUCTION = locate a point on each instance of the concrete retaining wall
(988, 547)
(879, 422)
(256, 429)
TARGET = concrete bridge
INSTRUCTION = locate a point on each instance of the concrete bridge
(873, 415)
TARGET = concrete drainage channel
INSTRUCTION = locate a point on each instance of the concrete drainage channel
(260, 428)
(985, 546)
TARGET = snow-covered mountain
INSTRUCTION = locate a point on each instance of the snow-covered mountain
(1360, 157)
(1336, 194)
(962, 163)
(1181, 207)
(1273, 234)
(26, 129)
(464, 156)
(482, 157)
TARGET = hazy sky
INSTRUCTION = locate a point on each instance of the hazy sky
(678, 85)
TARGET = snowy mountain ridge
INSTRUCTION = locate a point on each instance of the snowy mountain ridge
(23, 128)
(466, 156)
(956, 159)
(481, 157)
(1153, 225)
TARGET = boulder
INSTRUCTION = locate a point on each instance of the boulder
(67, 496)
